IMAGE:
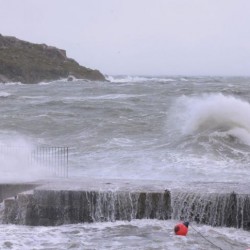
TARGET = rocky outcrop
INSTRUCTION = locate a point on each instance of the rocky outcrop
(25, 62)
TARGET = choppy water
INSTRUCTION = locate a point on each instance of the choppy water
(138, 234)
(168, 128)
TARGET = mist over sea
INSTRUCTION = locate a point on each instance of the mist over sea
(158, 128)
(168, 128)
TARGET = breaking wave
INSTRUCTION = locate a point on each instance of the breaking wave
(214, 124)
(132, 79)
(4, 94)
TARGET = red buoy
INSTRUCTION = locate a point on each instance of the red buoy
(181, 229)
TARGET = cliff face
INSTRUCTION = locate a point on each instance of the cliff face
(25, 62)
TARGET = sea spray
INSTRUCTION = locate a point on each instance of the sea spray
(210, 112)
(86, 126)
(16, 162)
(211, 124)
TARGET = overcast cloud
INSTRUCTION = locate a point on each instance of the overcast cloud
(147, 37)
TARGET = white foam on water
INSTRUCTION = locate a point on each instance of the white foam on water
(215, 117)
(13, 83)
(137, 234)
(53, 81)
(4, 94)
(111, 97)
(242, 134)
(131, 79)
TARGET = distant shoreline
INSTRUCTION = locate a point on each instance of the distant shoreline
(27, 62)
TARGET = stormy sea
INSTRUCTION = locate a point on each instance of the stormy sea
(178, 129)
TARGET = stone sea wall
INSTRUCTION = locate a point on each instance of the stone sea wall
(12, 189)
(96, 201)
(216, 209)
(44, 207)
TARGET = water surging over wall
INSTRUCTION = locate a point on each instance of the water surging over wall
(48, 207)
(215, 209)
(56, 207)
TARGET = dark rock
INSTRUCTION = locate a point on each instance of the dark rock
(25, 62)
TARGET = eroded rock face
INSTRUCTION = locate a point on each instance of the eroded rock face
(25, 62)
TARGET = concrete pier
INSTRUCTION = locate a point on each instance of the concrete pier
(12, 189)
(66, 201)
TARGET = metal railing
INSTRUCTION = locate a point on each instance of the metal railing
(53, 159)
(56, 159)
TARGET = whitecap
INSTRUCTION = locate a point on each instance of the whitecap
(13, 83)
(4, 94)
(212, 112)
(132, 79)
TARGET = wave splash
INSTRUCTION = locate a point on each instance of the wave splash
(214, 114)
(214, 126)
(16, 163)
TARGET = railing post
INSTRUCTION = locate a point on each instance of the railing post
(54, 158)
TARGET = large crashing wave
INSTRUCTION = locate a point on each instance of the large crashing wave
(213, 114)
(214, 124)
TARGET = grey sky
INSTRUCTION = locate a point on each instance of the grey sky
(167, 37)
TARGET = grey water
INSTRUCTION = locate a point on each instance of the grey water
(157, 128)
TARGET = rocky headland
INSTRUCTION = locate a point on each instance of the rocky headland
(26, 62)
